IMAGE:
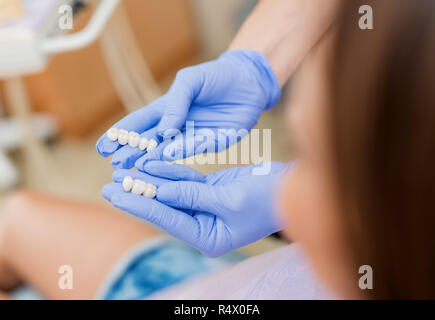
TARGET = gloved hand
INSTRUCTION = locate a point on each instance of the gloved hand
(228, 93)
(215, 213)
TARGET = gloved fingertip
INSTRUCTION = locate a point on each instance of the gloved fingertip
(117, 164)
(140, 164)
(118, 175)
(105, 147)
(165, 191)
(100, 150)
(151, 166)
(116, 200)
(167, 134)
(105, 193)
(169, 126)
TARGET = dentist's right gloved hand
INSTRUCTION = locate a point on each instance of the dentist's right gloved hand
(216, 213)
(229, 93)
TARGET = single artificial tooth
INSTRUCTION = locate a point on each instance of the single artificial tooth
(112, 134)
(152, 144)
(127, 183)
(143, 144)
(149, 185)
(150, 192)
(123, 137)
(133, 139)
(138, 187)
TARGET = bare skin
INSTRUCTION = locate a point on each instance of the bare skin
(8, 280)
(285, 31)
(40, 234)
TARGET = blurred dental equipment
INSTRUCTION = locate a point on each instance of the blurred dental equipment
(32, 33)
(28, 41)
(12, 137)
(29, 34)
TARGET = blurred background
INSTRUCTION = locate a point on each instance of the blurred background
(51, 119)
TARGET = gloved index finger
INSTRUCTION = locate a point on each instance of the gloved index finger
(173, 171)
(154, 155)
(183, 91)
(190, 195)
(119, 175)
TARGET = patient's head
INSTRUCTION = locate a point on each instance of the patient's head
(363, 114)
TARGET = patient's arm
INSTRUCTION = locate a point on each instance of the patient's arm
(40, 234)
(285, 30)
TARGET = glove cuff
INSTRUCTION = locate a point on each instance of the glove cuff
(266, 76)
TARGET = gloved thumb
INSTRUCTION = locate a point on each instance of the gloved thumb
(179, 98)
(189, 195)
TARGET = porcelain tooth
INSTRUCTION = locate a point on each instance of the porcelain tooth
(152, 144)
(112, 134)
(127, 183)
(150, 192)
(123, 137)
(133, 139)
(143, 144)
(138, 187)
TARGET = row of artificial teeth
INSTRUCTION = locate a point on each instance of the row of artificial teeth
(139, 187)
(131, 138)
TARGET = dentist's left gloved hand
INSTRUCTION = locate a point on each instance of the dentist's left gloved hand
(215, 214)
(228, 93)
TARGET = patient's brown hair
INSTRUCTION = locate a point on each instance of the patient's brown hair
(383, 124)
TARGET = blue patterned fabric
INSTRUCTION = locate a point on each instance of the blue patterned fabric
(159, 266)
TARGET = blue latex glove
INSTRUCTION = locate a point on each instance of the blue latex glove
(215, 213)
(228, 93)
